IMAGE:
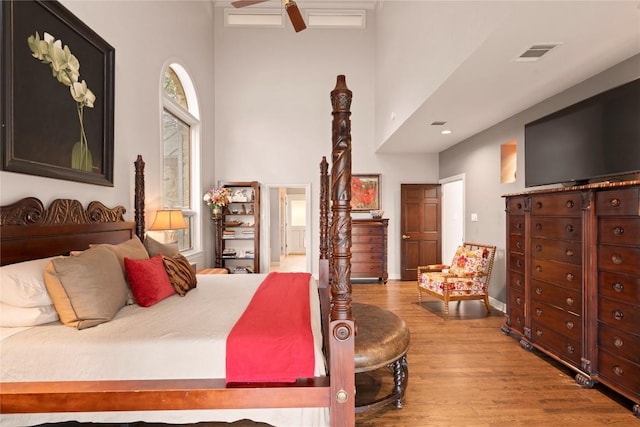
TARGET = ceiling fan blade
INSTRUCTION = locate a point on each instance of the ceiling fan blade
(243, 3)
(295, 16)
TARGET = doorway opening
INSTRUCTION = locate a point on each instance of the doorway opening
(452, 215)
(288, 227)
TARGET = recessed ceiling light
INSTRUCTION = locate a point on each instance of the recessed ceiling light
(446, 132)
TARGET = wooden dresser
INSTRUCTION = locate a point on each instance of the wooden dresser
(369, 249)
(573, 272)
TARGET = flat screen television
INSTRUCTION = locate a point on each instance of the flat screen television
(593, 140)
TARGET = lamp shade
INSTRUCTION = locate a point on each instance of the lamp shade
(168, 219)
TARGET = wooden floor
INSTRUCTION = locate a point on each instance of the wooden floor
(465, 372)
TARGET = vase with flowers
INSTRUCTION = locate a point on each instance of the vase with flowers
(216, 199)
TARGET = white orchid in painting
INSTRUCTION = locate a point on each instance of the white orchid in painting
(66, 69)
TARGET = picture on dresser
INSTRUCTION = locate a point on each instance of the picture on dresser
(365, 192)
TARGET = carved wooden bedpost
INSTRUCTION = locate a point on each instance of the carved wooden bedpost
(139, 197)
(342, 324)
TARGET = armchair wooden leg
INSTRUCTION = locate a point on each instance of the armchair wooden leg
(486, 303)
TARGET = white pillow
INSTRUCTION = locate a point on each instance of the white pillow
(22, 284)
(13, 317)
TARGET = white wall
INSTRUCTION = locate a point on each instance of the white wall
(479, 159)
(273, 114)
(146, 36)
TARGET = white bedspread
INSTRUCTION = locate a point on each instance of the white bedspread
(180, 337)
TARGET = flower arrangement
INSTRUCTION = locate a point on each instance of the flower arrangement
(217, 197)
(66, 69)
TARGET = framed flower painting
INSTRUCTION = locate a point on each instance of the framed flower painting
(365, 192)
(57, 94)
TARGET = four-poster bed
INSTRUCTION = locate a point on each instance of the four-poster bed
(29, 231)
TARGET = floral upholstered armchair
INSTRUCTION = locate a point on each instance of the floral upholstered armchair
(467, 278)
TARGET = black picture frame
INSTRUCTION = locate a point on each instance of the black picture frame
(41, 120)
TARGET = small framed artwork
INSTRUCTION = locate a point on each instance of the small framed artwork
(365, 192)
(57, 93)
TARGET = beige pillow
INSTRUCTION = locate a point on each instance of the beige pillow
(156, 248)
(132, 249)
(87, 289)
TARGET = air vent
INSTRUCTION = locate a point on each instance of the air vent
(438, 123)
(536, 52)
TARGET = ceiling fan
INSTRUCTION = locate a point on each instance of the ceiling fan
(290, 6)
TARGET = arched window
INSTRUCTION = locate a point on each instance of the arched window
(180, 144)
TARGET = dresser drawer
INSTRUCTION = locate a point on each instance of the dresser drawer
(516, 281)
(624, 201)
(619, 231)
(619, 259)
(516, 300)
(516, 224)
(516, 243)
(368, 248)
(557, 228)
(562, 346)
(516, 262)
(367, 231)
(622, 372)
(566, 299)
(619, 343)
(367, 267)
(619, 287)
(516, 205)
(557, 250)
(515, 318)
(560, 273)
(561, 321)
(565, 204)
(619, 314)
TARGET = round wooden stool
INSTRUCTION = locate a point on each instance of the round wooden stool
(382, 339)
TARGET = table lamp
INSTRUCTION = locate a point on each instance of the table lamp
(169, 220)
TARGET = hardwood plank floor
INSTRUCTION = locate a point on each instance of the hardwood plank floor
(465, 372)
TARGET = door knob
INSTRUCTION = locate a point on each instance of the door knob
(405, 237)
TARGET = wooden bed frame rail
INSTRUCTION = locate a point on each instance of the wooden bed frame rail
(29, 231)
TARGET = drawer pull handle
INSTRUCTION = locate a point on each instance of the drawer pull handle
(569, 277)
(615, 202)
(617, 259)
(519, 225)
(519, 245)
(539, 290)
(569, 204)
(570, 348)
(569, 252)
(539, 205)
(569, 228)
(518, 320)
(539, 248)
(569, 325)
(518, 282)
(518, 205)
(519, 301)
(569, 301)
(539, 311)
(618, 287)
(618, 371)
(519, 263)
(618, 231)
(539, 332)
(539, 268)
(618, 315)
(538, 227)
(617, 341)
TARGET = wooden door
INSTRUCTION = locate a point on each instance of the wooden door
(420, 228)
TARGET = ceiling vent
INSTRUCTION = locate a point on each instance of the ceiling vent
(438, 123)
(536, 52)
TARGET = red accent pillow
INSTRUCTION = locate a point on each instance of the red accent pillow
(148, 280)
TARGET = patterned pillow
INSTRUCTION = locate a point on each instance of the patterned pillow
(181, 275)
(467, 263)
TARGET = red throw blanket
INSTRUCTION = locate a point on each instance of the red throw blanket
(272, 341)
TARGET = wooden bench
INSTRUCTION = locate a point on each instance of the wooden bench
(382, 340)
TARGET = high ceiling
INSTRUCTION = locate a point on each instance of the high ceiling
(455, 61)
